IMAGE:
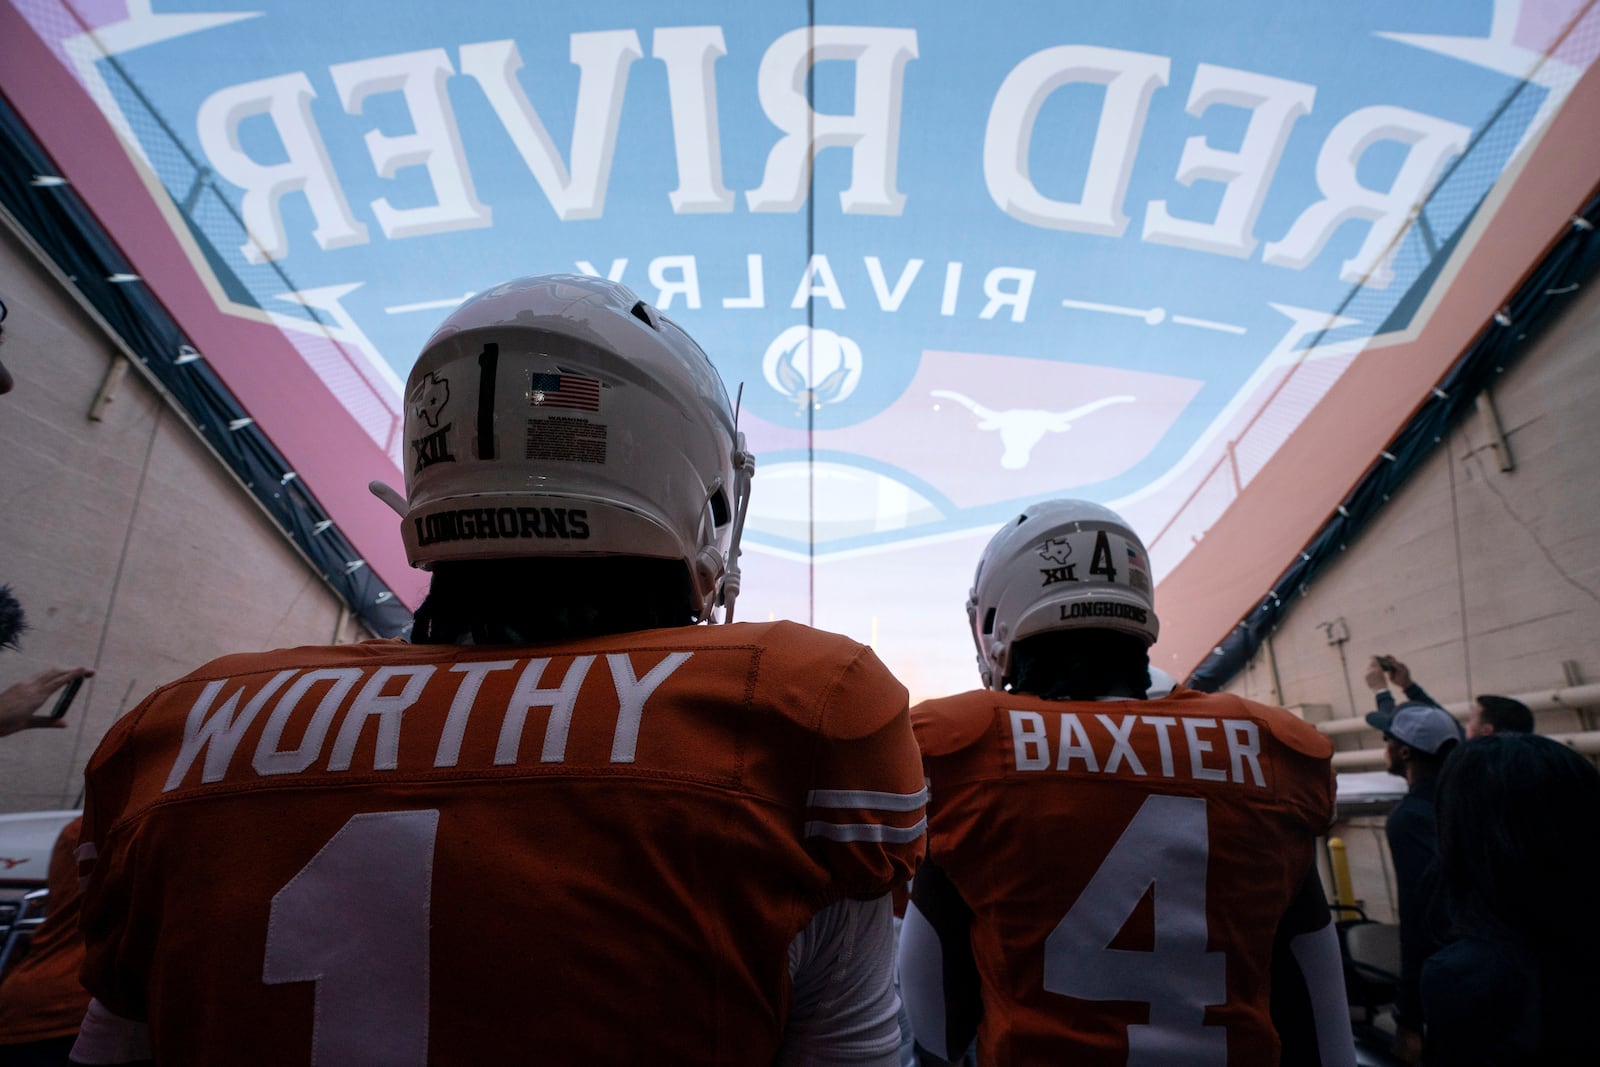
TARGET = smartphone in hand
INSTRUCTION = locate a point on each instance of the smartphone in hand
(68, 693)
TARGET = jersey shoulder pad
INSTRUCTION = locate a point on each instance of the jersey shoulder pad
(947, 725)
(308, 657)
(1286, 728)
(115, 741)
(127, 744)
(824, 681)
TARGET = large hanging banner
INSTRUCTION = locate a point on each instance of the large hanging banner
(1198, 262)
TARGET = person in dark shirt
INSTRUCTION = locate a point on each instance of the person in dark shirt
(1495, 715)
(1519, 857)
(1417, 738)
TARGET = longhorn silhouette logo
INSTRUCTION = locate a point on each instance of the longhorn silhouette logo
(1022, 428)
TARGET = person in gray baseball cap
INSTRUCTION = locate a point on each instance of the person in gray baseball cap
(1417, 737)
(1426, 729)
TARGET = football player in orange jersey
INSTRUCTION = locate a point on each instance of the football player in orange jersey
(564, 824)
(41, 999)
(1112, 878)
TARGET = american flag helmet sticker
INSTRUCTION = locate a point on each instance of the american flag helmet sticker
(557, 390)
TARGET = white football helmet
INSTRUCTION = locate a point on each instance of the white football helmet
(560, 415)
(1060, 565)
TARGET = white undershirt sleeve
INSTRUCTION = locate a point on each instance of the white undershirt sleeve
(922, 983)
(107, 1038)
(1317, 953)
(845, 1010)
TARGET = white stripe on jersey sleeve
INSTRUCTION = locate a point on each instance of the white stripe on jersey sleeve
(866, 831)
(866, 798)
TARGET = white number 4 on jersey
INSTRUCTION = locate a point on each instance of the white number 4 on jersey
(1165, 846)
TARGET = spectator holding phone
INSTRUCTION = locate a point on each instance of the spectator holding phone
(1417, 735)
(1383, 670)
(1490, 714)
(20, 704)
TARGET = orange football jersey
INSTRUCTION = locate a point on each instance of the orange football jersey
(596, 852)
(1126, 863)
(41, 997)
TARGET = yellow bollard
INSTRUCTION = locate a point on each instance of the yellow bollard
(1344, 891)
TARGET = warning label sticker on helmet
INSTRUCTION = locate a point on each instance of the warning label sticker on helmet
(564, 438)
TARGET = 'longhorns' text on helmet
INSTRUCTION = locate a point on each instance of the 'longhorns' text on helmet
(1060, 565)
(560, 415)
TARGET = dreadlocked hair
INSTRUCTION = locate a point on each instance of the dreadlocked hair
(1081, 664)
(12, 620)
(536, 601)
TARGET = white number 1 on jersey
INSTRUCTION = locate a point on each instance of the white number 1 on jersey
(1165, 846)
(355, 922)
